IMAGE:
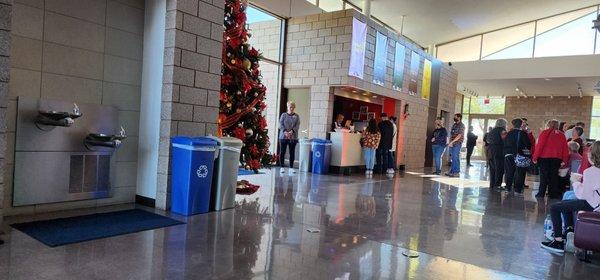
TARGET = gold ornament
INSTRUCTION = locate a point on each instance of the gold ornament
(229, 104)
(249, 132)
(233, 61)
(247, 63)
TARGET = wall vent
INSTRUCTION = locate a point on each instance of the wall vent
(89, 173)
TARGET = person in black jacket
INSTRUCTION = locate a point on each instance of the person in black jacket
(516, 142)
(471, 142)
(385, 144)
(496, 153)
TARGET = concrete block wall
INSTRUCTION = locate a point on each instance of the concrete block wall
(5, 27)
(317, 57)
(191, 78)
(541, 109)
(82, 51)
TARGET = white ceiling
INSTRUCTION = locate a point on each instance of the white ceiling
(531, 87)
(430, 22)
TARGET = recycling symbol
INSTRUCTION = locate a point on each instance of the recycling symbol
(317, 154)
(202, 171)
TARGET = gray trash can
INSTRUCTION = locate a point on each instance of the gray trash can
(304, 155)
(226, 172)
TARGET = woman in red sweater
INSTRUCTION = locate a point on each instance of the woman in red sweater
(550, 154)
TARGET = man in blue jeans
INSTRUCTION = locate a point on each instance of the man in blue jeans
(457, 135)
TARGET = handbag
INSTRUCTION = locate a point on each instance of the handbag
(523, 161)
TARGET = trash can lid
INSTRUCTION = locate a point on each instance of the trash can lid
(227, 141)
(321, 141)
(193, 141)
(305, 140)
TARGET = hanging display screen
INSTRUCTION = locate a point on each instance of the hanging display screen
(380, 63)
(415, 61)
(359, 44)
(399, 56)
(426, 83)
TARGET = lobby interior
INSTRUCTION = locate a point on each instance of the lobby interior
(145, 71)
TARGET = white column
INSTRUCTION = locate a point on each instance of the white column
(367, 8)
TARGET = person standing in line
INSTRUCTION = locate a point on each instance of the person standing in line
(385, 144)
(392, 153)
(439, 139)
(569, 132)
(496, 153)
(563, 126)
(531, 137)
(289, 123)
(515, 143)
(457, 136)
(550, 154)
(370, 139)
(588, 199)
(471, 143)
(486, 151)
(576, 137)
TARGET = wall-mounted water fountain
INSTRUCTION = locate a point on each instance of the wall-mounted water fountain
(63, 151)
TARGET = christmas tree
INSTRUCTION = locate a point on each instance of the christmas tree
(242, 93)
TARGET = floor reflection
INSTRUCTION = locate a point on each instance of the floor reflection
(309, 226)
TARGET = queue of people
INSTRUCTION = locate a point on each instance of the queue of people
(379, 145)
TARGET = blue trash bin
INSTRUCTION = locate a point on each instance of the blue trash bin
(192, 165)
(321, 156)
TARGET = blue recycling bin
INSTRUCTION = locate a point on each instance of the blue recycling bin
(321, 156)
(192, 165)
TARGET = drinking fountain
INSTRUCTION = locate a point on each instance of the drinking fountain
(48, 119)
(93, 140)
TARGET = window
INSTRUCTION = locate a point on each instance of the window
(266, 31)
(331, 5)
(513, 42)
(463, 50)
(484, 106)
(267, 37)
(566, 36)
(595, 123)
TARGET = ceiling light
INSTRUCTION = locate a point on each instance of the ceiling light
(569, 97)
(551, 96)
(517, 89)
(534, 97)
(547, 79)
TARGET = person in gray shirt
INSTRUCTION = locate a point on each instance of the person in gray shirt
(289, 123)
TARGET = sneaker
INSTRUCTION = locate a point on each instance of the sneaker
(282, 170)
(292, 171)
(570, 244)
(555, 246)
(501, 189)
(390, 171)
(367, 172)
(518, 194)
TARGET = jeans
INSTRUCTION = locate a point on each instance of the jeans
(284, 143)
(382, 159)
(469, 153)
(369, 154)
(455, 155)
(438, 151)
(549, 178)
(514, 176)
(392, 159)
(566, 209)
(496, 166)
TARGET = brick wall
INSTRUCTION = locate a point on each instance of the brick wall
(84, 52)
(539, 110)
(191, 78)
(317, 57)
(5, 26)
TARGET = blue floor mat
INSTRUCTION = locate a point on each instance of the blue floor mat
(242, 172)
(70, 230)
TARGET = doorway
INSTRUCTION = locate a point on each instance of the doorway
(480, 126)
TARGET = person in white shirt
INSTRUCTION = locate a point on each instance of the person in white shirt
(588, 199)
(392, 153)
(569, 133)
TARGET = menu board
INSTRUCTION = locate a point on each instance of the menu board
(380, 59)
(359, 44)
(426, 84)
(399, 67)
(415, 61)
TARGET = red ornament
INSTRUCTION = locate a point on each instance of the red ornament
(239, 133)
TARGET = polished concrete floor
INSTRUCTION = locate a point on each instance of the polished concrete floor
(307, 226)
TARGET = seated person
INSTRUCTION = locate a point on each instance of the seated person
(588, 199)
(574, 163)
